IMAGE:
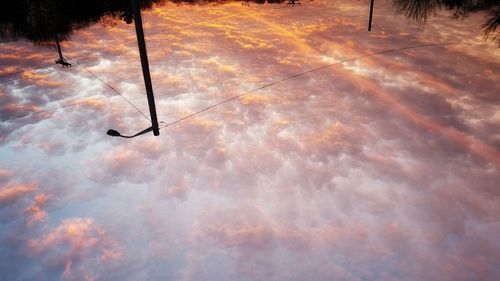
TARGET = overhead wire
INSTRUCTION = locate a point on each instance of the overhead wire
(298, 75)
(80, 102)
(112, 88)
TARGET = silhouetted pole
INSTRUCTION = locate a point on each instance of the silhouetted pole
(371, 16)
(145, 66)
(61, 60)
(59, 50)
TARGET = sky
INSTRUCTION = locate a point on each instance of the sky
(381, 161)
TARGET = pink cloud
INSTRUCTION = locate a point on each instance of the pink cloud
(35, 210)
(73, 246)
(5, 175)
(10, 193)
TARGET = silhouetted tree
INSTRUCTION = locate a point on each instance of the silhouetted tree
(420, 10)
(42, 21)
(50, 22)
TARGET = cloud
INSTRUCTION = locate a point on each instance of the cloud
(22, 203)
(35, 210)
(9, 194)
(72, 247)
(5, 175)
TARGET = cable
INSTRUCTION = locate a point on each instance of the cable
(298, 75)
(75, 103)
(28, 76)
(111, 87)
(21, 71)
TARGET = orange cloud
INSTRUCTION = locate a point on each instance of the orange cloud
(35, 210)
(11, 193)
(5, 174)
(16, 109)
(73, 243)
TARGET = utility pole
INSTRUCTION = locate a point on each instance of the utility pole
(145, 66)
(61, 60)
(58, 46)
(371, 16)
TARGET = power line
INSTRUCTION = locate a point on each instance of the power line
(112, 88)
(21, 71)
(48, 71)
(79, 102)
(298, 75)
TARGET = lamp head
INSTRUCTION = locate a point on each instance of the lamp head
(113, 133)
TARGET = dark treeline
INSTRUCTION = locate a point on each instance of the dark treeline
(46, 21)
(43, 21)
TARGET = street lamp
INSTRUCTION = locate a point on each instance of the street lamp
(115, 133)
(145, 72)
(145, 66)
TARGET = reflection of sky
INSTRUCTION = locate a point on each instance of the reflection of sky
(382, 168)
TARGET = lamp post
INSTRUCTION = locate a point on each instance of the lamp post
(371, 16)
(145, 65)
(147, 76)
(61, 60)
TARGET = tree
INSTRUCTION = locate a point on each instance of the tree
(420, 10)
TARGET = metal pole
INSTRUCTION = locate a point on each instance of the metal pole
(59, 50)
(371, 16)
(145, 65)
